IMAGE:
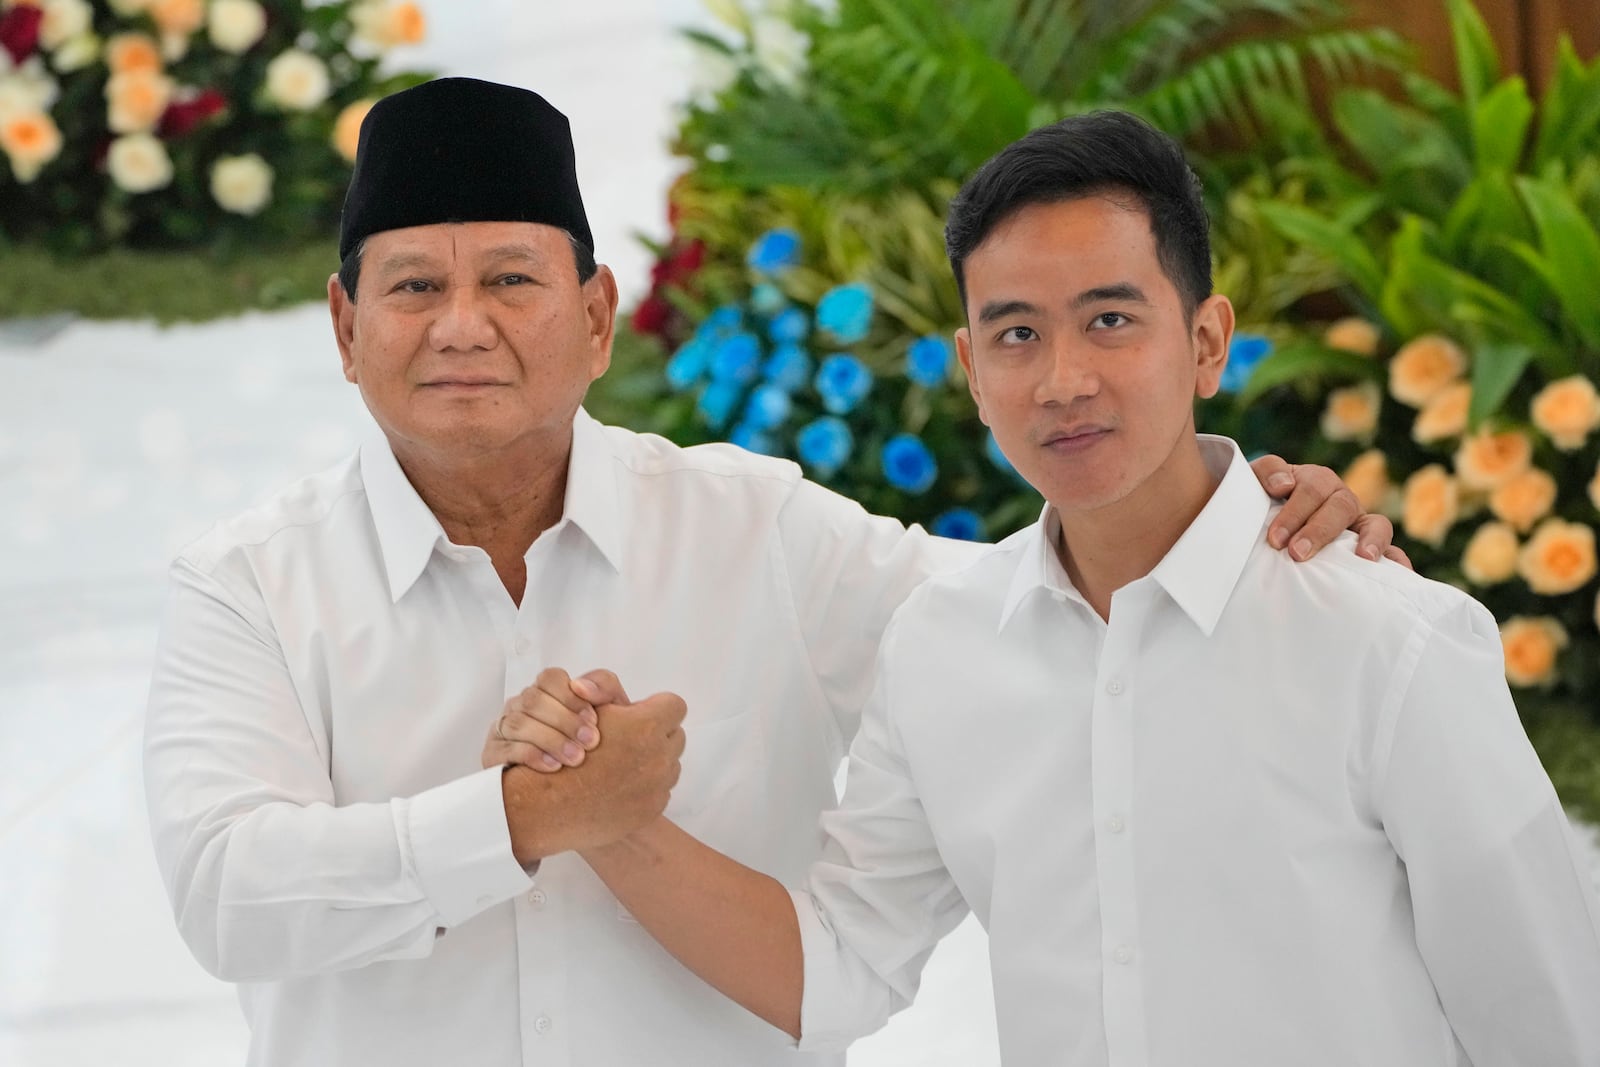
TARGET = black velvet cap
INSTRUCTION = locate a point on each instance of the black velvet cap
(462, 150)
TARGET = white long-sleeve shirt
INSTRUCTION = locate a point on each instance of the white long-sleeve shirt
(329, 667)
(1269, 814)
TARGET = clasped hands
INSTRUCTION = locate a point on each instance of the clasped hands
(606, 789)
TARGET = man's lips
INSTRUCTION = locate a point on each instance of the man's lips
(461, 383)
(1076, 438)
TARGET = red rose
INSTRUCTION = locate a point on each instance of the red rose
(19, 31)
(651, 315)
(182, 116)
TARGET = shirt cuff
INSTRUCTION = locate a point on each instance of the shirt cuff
(459, 845)
(840, 1000)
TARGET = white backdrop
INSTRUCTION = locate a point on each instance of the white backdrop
(120, 442)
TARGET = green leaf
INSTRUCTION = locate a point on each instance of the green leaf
(1500, 126)
(1570, 243)
(1328, 237)
(1496, 369)
(1570, 112)
(1306, 360)
(1477, 60)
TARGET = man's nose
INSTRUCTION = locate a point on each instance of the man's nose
(1071, 374)
(463, 323)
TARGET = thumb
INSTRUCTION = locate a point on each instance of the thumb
(599, 687)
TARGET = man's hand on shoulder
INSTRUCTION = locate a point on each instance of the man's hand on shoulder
(1318, 507)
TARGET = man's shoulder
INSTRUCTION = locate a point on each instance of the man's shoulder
(972, 591)
(648, 455)
(304, 505)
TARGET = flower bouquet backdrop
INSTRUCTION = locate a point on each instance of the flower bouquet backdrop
(1413, 269)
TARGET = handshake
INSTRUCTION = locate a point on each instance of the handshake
(587, 792)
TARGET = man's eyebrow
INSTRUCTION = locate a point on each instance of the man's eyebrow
(403, 261)
(515, 251)
(1000, 309)
(1122, 291)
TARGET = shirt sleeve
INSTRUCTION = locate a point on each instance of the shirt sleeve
(1506, 918)
(879, 899)
(268, 875)
(848, 572)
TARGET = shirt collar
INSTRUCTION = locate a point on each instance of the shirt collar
(1199, 572)
(408, 531)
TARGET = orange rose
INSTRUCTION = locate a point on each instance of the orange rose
(1431, 505)
(30, 139)
(347, 128)
(127, 53)
(1525, 499)
(1423, 367)
(1532, 647)
(1368, 478)
(1353, 335)
(1567, 412)
(177, 18)
(137, 100)
(1491, 555)
(1558, 558)
(1444, 416)
(405, 24)
(1352, 413)
(384, 25)
(1486, 460)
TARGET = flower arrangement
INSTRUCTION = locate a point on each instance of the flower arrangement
(173, 123)
(836, 386)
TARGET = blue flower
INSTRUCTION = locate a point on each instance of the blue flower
(1244, 352)
(789, 368)
(688, 364)
(737, 359)
(725, 320)
(843, 381)
(767, 299)
(767, 407)
(753, 439)
(717, 401)
(991, 448)
(774, 251)
(845, 311)
(928, 361)
(960, 524)
(908, 465)
(824, 444)
(789, 326)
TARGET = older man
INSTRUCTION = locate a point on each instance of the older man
(331, 661)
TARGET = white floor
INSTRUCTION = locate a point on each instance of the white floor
(120, 442)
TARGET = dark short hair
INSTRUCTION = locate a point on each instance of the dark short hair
(350, 268)
(1085, 155)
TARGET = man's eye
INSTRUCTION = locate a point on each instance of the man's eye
(1017, 335)
(413, 285)
(1108, 320)
(513, 279)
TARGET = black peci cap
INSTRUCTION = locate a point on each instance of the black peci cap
(462, 150)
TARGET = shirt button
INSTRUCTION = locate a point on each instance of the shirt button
(537, 898)
(523, 644)
(1115, 824)
(1124, 954)
(542, 1024)
(1114, 687)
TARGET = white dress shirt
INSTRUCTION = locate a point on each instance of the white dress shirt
(1271, 814)
(330, 665)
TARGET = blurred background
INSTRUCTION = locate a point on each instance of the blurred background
(1405, 204)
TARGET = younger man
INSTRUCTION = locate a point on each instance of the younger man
(1191, 842)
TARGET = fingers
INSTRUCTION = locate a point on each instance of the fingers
(599, 687)
(668, 709)
(1319, 509)
(554, 683)
(1374, 536)
(1276, 475)
(549, 716)
(1398, 554)
(497, 752)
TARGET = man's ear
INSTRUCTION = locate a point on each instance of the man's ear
(600, 304)
(343, 310)
(964, 354)
(1212, 332)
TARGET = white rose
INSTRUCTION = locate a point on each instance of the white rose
(76, 53)
(236, 25)
(779, 48)
(27, 88)
(730, 13)
(241, 184)
(139, 163)
(297, 80)
(64, 20)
